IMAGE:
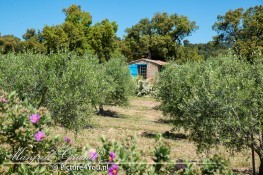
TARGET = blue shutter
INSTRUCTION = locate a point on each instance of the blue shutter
(133, 70)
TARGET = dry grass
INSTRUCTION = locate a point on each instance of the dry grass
(141, 119)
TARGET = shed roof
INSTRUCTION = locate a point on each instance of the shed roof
(158, 62)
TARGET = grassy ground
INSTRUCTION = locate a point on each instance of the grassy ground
(141, 118)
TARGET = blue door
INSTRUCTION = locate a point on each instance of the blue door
(133, 70)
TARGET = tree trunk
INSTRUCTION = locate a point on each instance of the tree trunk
(101, 110)
(253, 155)
(43, 96)
(261, 167)
(95, 108)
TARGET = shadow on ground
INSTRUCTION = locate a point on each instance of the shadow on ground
(109, 113)
(167, 135)
(164, 121)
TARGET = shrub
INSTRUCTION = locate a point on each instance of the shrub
(25, 141)
(27, 74)
(163, 163)
(214, 165)
(143, 87)
(68, 85)
(218, 102)
(68, 91)
(114, 84)
(23, 129)
(120, 81)
(126, 153)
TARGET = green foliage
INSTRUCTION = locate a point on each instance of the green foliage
(55, 39)
(75, 15)
(143, 87)
(15, 124)
(120, 81)
(208, 50)
(68, 85)
(20, 151)
(27, 74)
(218, 101)
(9, 43)
(214, 165)
(33, 42)
(57, 82)
(102, 39)
(32, 170)
(158, 38)
(68, 98)
(18, 132)
(242, 30)
(163, 164)
(76, 34)
(127, 154)
(131, 160)
(2, 155)
(185, 54)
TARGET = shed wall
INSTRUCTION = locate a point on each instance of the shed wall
(152, 70)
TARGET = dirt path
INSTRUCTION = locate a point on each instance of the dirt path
(140, 108)
(142, 119)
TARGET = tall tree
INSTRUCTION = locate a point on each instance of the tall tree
(158, 38)
(55, 39)
(243, 30)
(32, 41)
(9, 43)
(70, 35)
(102, 39)
(76, 16)
(207, 50)
(76, 26)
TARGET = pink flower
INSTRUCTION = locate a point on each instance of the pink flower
(113, 170)
(39, 136)
(34, 118)
(112, 156)
(4, 100)
(68, 140)
(93, 154)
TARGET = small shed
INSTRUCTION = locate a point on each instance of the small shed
(146, 68)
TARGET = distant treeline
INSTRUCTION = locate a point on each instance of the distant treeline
(162, 37)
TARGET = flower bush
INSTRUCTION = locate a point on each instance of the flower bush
(22, 128)
(34, 118)
(125, 158)
(113, 170)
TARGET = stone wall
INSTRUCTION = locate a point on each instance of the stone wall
(152, 70)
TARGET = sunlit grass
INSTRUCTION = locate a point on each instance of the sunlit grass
(141, 119)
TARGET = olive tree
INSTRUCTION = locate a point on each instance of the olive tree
(67, 84)
(218, 102)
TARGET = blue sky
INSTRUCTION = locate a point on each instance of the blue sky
(18, 15)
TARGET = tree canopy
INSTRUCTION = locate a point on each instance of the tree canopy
(102, 39)
(242, 29)
(9, 43)
(157, 38)
(161, 38)
(218, 102)
(75, 34)
(208, 50)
